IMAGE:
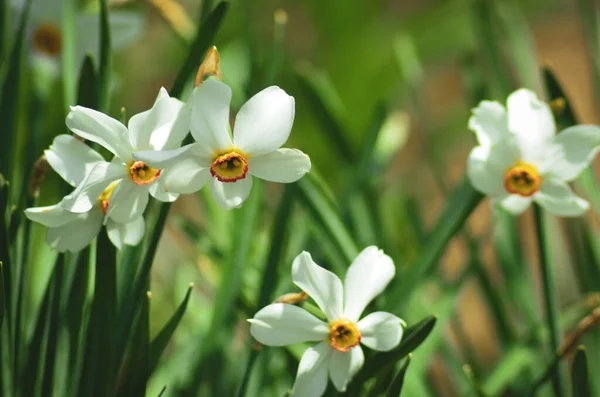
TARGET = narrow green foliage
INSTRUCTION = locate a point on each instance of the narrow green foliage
(323, 101)
(580, 374)
(395, 388)
(87, 92)
(160, 341)
(105, 61)
(101, 367)
(461, 203)
(548, 286)
(204, 37)
(412, 338)
(10, 95)
(2, 300)
(69, 61)
(323, 210)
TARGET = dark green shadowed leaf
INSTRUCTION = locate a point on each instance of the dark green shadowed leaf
(204, 37)
(160, 341)
(10, 94)
(5, 242)
(100, 366)
(395, 388)
(559, 102)
(104, 64)
(412, 338)
(1, 294)
(87, 95)
(580, 374)
(135, 369)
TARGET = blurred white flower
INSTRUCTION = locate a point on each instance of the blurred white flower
(262, 125)
(68, 231)
(520, 159)
(338, 352)
(44, 32)
(162, 127)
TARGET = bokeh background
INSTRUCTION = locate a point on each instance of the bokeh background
(413, 69)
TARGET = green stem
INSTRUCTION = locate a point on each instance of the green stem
(550, 304)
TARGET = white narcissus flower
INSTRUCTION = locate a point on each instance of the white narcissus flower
(262, 126)
(520, 159)
(45, 32)
(162, 127)
(338, 352)
(68, 231)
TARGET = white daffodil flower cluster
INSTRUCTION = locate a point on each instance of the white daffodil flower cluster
(338, 351)
(146, 161)
(520, 160)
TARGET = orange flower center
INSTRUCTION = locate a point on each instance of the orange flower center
(143, 174)
(343, 335)
(104, 198)
(47, 39)
(229, 167)
(523, 179)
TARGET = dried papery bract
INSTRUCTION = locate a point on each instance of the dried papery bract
(209, 67)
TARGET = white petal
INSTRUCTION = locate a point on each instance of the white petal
(484, 175)
(344, 365)
(210, 115)
(157, 190)
(282, 165)
(367, 277)
(130, 233)
(281, 324)
(162, 127)
(558, 198)
(71, 158)
(229, 195)
(513, 203)
(52, 216)
(86, 195)
(162, 159)
(311, 379)
(381, 331)
(489, 122)
(264, 123)
(574, 150)
(532, 123)
(185, 177)
(128, 201)
(321, 284)
(76, 234)
(98, 127)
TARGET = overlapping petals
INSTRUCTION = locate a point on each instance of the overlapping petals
(282, 324)
(524, 134)
(262, 126)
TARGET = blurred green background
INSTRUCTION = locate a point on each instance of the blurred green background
(411, 69)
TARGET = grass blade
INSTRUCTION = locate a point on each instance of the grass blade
(159, 343)
(68, 61)
(395, 388)
(205, 36)
(413, 337)
(104, 64)
(10, 94)
(580, 374)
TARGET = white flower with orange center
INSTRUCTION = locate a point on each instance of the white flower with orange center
(338, 352)
(520, 159)
(262, 126)
(162, 127)
(69, 231)
(46, 37)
